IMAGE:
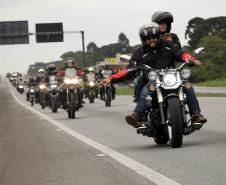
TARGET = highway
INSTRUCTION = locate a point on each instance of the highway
(39, 147)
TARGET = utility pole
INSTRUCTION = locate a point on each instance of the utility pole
(83, 48)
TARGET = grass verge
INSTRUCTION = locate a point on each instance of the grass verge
(212, 83)
(129, 92)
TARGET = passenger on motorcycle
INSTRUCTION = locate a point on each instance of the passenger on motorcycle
(157, 54)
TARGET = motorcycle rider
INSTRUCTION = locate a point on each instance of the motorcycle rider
(157, 54)
(90, 77)
(40, 78)
(107, 72)
(164, 20)
(31, 83)
(70, 69)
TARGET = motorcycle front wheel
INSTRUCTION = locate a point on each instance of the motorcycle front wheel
(175, 127)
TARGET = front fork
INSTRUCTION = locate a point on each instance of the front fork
(161, 100)
(182, 101)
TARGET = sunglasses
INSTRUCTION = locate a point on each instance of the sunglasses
(150, 37)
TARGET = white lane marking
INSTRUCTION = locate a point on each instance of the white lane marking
(139, 168)
(101, 155)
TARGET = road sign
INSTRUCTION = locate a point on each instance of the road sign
(49, 32)
(14, 32)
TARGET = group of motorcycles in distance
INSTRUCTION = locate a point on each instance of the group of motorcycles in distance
(66, 91)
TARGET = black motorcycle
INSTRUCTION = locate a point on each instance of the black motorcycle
(20, 89)
(32, 95)
(43, 95)
(54, 96)
(106, 94)
(91, 91)
(166, 118)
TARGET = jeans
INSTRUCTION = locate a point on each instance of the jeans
(138, 85)
(192, 101)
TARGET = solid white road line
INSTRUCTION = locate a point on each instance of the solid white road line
(139, 168)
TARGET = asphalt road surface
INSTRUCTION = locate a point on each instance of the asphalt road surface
(34, 151)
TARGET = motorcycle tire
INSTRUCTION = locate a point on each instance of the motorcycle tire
(108, 99)
(32, 102)
(176, 122)
(72, 105)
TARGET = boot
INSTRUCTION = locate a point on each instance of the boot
(133, 120)
(198, 120)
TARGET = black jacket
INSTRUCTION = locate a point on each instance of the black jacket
(165, 56)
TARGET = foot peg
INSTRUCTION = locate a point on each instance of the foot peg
(142, 130)
(197, 126)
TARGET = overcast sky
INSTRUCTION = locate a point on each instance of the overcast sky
(102, 21)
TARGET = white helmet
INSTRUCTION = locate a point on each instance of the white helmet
(41, 71)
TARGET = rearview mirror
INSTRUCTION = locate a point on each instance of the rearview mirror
(199, 51)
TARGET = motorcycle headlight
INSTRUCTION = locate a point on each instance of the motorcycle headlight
(53, 86)
(186, 74)
(21, 87)
(170, 79)
(42, 86)
(67, 81)
(74, 81)
(32, 90)
(152, 75)
(91, 84)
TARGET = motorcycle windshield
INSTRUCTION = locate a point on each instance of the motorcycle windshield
(52, 80)
(91, 77)
(70, 72)
(106, 73)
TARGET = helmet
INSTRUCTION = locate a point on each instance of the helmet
(51, 67)
(148, 30)
(91, 69)
(161, 16)
(69, 62)
(41, 71)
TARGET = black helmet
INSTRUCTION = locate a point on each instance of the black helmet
(161, 16)
(51, 67)
(148, 30)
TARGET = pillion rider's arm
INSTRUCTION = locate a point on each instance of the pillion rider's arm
(179, 54)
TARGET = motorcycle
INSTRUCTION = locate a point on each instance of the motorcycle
(166, 118)
(54, 96)
(107, 95)
(72, 87)
(32, 95)
(20, 89)
(43, 95)
(91, 91)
